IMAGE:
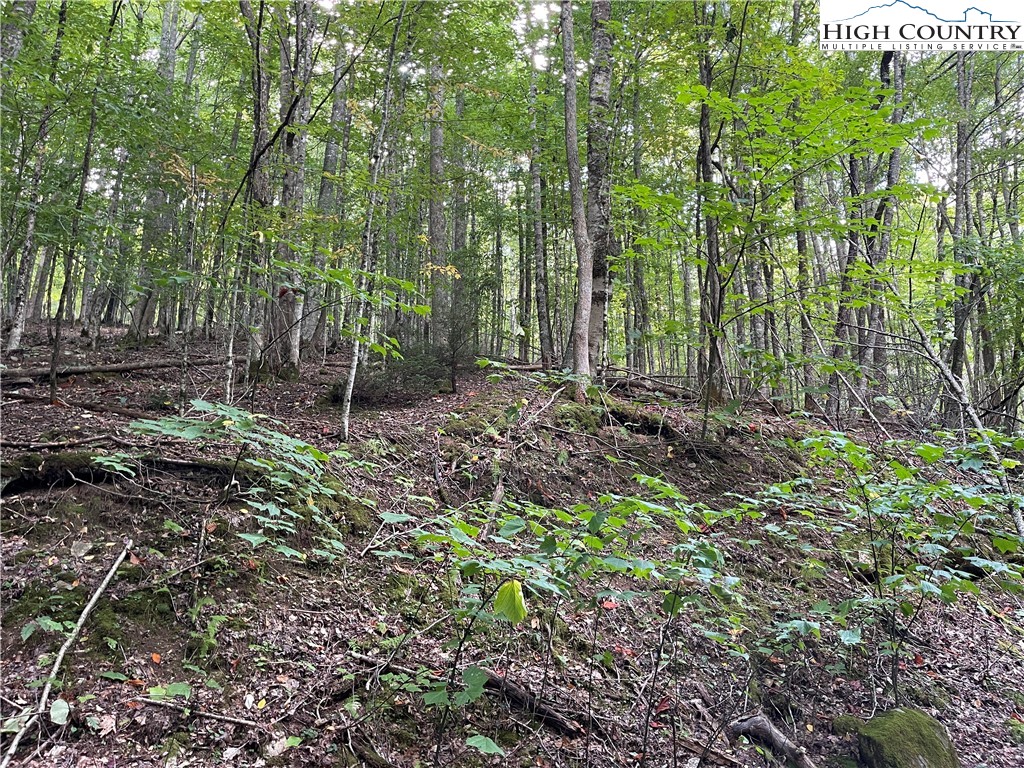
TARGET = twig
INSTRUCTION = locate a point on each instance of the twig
(198, 712)
(45, 697)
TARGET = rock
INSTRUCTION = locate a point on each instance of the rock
(906, 738)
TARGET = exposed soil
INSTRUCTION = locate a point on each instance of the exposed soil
(324, 660)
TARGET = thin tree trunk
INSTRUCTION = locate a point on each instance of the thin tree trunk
(29, 246)
(76, 218)
(952, 409)
(581, 237)
(599, 145)
(540, 256)
(376, 150)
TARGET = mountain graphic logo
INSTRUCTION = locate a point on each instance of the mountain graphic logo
(986, 16)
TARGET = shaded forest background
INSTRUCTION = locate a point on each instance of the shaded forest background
(826, 231)
(740, 475)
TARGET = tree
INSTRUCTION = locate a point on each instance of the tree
(580, 233)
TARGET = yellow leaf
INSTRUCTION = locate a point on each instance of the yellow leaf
(261, 704)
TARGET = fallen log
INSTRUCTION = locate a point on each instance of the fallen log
(758, 728)
(139, 365)
(95, 407)
(31, 470)
(633, 380)
(518, 696)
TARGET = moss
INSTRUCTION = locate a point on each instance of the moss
(103, 624)
(578, 418)
(861, 561)
(24, 555)
(847, 725)
(131, 574)
(1016, 728)
(906, 738)
(928, 696)
(146, 605)
(37, 600)
(479, 421)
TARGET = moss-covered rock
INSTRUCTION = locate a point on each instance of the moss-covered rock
(906, 738)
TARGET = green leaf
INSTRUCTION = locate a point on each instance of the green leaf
(509, 603)
(255, 539)
(179, 689)
(485, 745)
(395, 517)
(1003, 545)
(850, 636)
(287, 551)
(113, 676)
(437, 698)
(930, 453)
(28, 629)
(59, 712)
(475, 679)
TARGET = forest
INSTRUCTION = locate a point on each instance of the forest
(502, 382)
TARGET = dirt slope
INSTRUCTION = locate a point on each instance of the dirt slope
(324, 653)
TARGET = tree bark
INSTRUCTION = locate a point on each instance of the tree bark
(440, 270)
(581, 237)
(599, 203)
(17, 17)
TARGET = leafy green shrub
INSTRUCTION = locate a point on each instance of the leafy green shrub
(292, 474)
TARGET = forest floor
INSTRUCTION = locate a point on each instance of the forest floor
(210, 649)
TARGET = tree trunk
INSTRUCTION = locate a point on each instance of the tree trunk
(952, 412)
(76, 218)
(581, 237)
(540, 256)
(17, 17)
(440, 270)
(712, 294)
(599, 203)
(296, 70)
(368, 244)
(157, 220)
(29, 247)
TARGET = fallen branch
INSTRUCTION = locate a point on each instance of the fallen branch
(141, 365)
(530, 703)
(44, 699)
(512, 692)
(195, 712)
(95, 407)
(637, 380)
(57, 445)
(707, 751)
(760, 729)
